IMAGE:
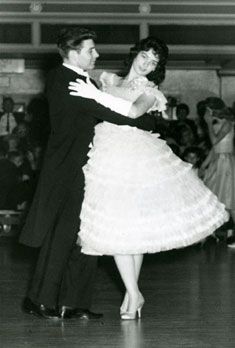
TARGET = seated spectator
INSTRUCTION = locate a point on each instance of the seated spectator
(7, 117)
(22, 132)
(182, 112)
(193, 155)
(184, 136)
(21, 141)
(21, 194)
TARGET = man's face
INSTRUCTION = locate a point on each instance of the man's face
(86, 55)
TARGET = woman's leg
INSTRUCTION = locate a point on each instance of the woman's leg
(126, 267)
(138, 260)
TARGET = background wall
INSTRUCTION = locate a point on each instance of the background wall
(200, 36)
(228, 89)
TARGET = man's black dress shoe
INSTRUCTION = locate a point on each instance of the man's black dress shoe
(39, 310)
(78, 313)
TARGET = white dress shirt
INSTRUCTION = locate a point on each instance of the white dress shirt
(7, 123)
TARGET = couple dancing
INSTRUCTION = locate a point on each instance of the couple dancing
(139, 197)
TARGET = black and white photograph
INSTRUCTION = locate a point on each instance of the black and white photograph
(117, 174)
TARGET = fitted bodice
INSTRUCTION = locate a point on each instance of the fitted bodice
(131, 90)
(225, 145)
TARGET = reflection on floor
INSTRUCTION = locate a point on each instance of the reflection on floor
(190, 302)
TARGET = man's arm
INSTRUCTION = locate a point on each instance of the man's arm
(118, 105)
(90, 108)
(145, 122)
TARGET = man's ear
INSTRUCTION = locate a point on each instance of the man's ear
(72, 55)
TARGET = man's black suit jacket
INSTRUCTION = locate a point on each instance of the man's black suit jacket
(72, 129)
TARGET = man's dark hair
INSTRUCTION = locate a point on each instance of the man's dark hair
(71, 39)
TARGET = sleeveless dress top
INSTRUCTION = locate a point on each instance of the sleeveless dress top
(139, 196)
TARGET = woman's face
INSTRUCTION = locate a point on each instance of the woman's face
(22, 130)
(145, 62)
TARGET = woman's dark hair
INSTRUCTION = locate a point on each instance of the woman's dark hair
(160, 49)
(71, 39)
(219, 108)
(214, 103)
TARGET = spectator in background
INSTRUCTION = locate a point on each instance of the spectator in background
(31, 151)
(7, 117)
(182, 112)
(184, 136)
(17, 144)
(21, 192)
(23, 133)
(204, 141)
(171, 108)
(193, 155)
(219, 166)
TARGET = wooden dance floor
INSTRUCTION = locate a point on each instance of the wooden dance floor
(190, 302)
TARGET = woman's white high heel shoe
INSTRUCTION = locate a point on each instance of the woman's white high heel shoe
(136, 314)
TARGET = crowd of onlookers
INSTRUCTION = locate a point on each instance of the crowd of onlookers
(188, 137)
(23, 138)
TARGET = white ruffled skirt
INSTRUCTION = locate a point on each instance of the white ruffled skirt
(141, 198)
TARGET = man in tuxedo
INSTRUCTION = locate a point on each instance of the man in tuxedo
(64, 277)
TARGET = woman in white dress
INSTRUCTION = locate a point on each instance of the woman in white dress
(140, 197)
(219, 166)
